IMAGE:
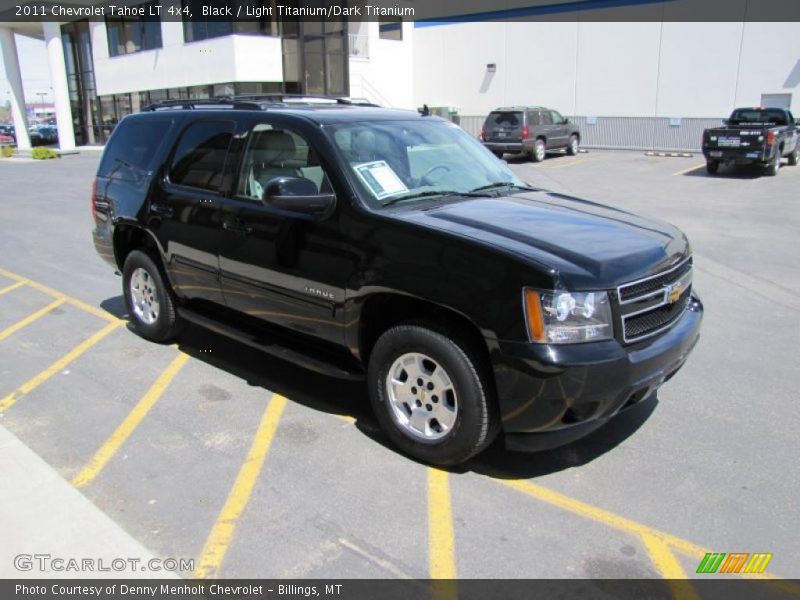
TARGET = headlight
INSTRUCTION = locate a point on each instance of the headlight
(567, 317)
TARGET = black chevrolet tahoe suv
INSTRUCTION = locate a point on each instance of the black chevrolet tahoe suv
(366, 242)
(757, 135)
(531, 130)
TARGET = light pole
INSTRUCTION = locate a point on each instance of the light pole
(42, 95)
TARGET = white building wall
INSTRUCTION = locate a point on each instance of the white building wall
(386, 76)
(217, 60)
(650, 69)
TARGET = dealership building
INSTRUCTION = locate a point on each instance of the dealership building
(653, 84)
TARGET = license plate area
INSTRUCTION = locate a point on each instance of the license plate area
(715, 153)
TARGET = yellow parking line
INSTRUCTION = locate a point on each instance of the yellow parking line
(689, 170)
(219, 539)
(109, 448)
(664, 561)
(11, 287)
(30, 385)
(441, 544)
(30, 318)
(56, 294)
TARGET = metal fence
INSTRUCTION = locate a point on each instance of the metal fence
(630, 133)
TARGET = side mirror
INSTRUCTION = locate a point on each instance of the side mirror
(565, 122)
(297, 195)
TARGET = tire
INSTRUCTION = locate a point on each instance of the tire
(497, 153)
(539, 151)
(149, 299)
(712, 166)
(574, 143)
(774, 167)
(453, 415)
(793, 159)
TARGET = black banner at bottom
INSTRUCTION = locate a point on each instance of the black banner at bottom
(400, 589)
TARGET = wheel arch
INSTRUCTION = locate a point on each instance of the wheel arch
(131, 236)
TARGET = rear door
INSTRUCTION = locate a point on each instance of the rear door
(546, 128)
(184, 213)
(560, 130)
(503, 126)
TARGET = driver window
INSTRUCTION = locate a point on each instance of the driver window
(557, 118)
(276, 152)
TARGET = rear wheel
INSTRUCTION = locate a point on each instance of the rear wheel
(712, 166)
(497, 153)
(793, 159)
(572, 148)
(149, 299)
(774, 167)
(431, 394)
(539, 151)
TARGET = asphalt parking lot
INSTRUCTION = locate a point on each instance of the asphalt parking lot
(256, 468)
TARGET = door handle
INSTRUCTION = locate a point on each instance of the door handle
(160, 209)
(236, 227)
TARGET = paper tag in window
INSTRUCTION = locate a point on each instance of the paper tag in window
(380, 178)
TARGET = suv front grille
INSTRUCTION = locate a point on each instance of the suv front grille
(651, 305)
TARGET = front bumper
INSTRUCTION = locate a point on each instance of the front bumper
(551, 395)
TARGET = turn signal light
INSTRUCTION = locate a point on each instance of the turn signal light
(533, 313)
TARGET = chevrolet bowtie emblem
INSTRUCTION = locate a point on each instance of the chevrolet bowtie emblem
(674, 292)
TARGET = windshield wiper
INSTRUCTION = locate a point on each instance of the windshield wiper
(429, 194)
(505, 184)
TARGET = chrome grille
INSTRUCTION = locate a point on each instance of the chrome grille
(651, 305)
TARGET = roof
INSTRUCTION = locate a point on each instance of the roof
(523, 107)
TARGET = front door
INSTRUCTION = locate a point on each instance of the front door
(186, 209)
(275, 266)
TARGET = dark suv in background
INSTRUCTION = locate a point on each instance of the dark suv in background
(384, 244)
(531, 130)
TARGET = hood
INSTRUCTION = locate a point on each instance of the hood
(587, 245)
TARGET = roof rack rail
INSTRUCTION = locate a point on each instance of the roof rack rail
(192, 104)
(281, 98)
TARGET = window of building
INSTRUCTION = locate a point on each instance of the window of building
(127, 35)
(199, 159)
(391, 28)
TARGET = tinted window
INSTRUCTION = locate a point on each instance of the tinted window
(199, 159)
(557, 118)
(533, 119)
(132, 148)
(755, 115)
(505, 119)
(547, 117)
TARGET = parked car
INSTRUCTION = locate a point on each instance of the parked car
(8, 131)
(49, 134)
(6, 140)
(387, 245)
(531, 130)
(752, 136)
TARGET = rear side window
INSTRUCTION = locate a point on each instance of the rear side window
(505, 119)
(132, 148)
(199, 159)
(547, 117)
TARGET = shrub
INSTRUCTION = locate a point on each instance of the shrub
(7, 151)
(42, 153)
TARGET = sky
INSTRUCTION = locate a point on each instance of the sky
(35, 72)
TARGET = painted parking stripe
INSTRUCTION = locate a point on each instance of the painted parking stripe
(10, 330)
(219, 540)
(56, 294)
(9, 400)
(12, 287)
(110, 447)
(669, 568)
(689, 170)
(441, 544)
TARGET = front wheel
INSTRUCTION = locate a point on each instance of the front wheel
(149, 299)
(775, 165)
(431, 394)
(572, 148)
(712, 166)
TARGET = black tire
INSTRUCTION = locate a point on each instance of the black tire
(572, 147)
(497, 153)
(167, 324)
(793, 159)
(774, 167)
(539, 151)
(476, 423)
(712, 166)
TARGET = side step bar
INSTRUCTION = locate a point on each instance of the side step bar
(274, 348)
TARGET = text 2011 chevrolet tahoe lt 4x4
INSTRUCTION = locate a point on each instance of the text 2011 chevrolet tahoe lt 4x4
(360, 241)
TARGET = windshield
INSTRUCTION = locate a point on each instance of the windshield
(759, 116)
(413, 161)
